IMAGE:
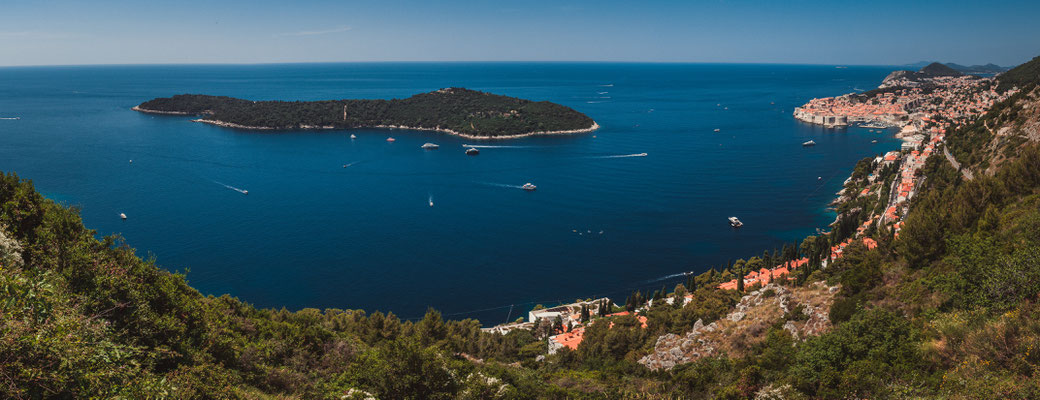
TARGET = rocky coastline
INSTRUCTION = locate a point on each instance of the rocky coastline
(223, 124)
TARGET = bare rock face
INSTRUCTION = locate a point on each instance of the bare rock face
(747, 323)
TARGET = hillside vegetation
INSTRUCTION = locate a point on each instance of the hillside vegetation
(459, 110)
(948, 309)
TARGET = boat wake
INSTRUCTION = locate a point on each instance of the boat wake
(666, 277)
(621, 155)
(601, 92)
(607, 85)
(243, 191)
(349, 164)
(11, 118)
(595, 102)
(501, 185)
(490, 146)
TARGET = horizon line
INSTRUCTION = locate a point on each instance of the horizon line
(157, 64)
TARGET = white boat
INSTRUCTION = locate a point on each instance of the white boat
(529, 186)
(245, 192)
(734, 222)
(353, 136)
(430, 146)
(873, 141)
(431, 202)
(819, 178)
(472, 151)
(390, 139)
(717, 129)
(122, 215)
(809, 143)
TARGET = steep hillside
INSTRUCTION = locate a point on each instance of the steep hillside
(948, 308)
(1007, 128)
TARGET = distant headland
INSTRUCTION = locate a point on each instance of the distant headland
(458, 111)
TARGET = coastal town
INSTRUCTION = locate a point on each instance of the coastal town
(923, 105)
(908, 101)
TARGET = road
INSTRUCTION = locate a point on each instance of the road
(956, 165)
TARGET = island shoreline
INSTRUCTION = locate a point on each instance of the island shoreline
(595, 126)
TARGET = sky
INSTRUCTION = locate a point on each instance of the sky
(881, 32)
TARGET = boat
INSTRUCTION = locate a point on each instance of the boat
(353, 136)
(529, 186)
(809, 143)
(430, 146)
(873, 141)
(717, 129)
(819, 178)
(472, 151)
(390, 139)
(431, 201)
(734, 222)
(122, 215)
(245, 192)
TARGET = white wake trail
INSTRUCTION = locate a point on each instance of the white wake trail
(666, 277)
(501, 185)
(489, 146)
(243, 191)
(622, 156)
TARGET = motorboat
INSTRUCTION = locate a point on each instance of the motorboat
(809, 143)
(430, 146)
(529, 186)
(390, 139)
(734, 222)
(122, 215)
(718, 130)
(353, 136)
(472, 151)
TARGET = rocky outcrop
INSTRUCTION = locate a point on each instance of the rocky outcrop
(805, 308)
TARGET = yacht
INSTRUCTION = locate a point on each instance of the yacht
(122, 215)
(529, 186)
(353, 136)
(734, 222)
(809, 143)
(430, 146)
(717, 129)
(873, 141)
(390, 139)
(472, 151)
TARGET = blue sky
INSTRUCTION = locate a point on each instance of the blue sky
(47, 32)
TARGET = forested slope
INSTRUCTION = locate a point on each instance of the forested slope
(458, 110)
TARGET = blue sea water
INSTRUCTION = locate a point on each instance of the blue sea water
(313, 233)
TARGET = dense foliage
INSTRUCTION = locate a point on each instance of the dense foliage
(1023, 76)
(461, 110)
(948, 309)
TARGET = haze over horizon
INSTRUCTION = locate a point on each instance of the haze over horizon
(240, 32)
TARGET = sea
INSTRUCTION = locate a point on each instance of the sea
(335, 222)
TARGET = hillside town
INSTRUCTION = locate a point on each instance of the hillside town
(923, 108)
(907, 103)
